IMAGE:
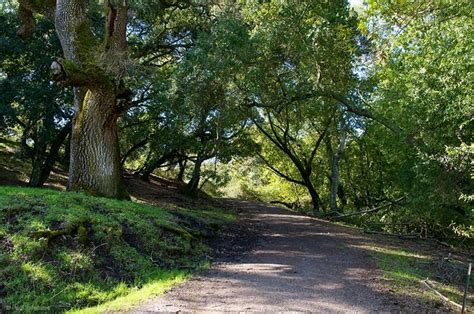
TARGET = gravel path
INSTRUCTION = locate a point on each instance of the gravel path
(300, 264)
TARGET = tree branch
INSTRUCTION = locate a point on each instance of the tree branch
(284, 176)
(375, 209)
(70, 73)
(316, 146)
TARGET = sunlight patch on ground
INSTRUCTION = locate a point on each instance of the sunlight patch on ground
(135, 297)
(390, 251)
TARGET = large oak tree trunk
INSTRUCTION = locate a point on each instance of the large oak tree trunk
(95, 68)
(95, 160)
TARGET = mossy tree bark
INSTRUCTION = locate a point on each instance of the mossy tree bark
(95, 160)
(95, 69)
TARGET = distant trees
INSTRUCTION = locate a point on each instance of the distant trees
(199, 120)
(303, 58)
(32, 108)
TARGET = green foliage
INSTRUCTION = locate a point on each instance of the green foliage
(423, 83)
(32, 108)
(75, 251)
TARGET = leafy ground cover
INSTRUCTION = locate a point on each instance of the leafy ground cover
(68, 251)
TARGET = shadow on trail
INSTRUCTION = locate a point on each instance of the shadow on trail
(299, 264)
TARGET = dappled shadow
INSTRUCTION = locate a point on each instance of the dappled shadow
(165, 193)
(301, 264)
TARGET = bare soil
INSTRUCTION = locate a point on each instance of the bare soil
(293, 263)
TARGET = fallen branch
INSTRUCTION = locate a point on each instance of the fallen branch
(398, 200)
(288, 205)
(446, 299)
(442, 243)
(399, 235)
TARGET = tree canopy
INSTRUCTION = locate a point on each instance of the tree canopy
(310, 104)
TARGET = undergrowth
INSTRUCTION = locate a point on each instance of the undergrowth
(66, 251)
(406, 270)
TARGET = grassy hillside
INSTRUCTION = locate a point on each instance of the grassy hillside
(62, 251)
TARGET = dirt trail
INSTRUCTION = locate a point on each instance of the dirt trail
(300, 264)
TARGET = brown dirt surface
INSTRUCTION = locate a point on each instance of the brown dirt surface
(293, 263)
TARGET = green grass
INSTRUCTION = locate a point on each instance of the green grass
(406, 270)
(64, 251)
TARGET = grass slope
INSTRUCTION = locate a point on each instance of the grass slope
(405, 269)
(67, 251)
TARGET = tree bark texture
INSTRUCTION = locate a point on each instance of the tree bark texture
(95, 159)
(95, 70)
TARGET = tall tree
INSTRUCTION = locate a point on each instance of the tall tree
(301, 76)
(96, 63)
(95, 68)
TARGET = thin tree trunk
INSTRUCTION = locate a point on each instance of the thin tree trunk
(37, 168)
(334, 182)
(42, 167)
(334, 179)
(152, 165)
(182, 169)
(341, 194)
(95, 159)
(193, 184)
(315, 199)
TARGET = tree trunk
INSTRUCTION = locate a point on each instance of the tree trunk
(334, 182)
(43, 162)
(37, 169)
(95, 160)
(152, 165)
(182, 169)
(98, 67)
(341, 194)
(334, 189)
(315, 199)
(193, 184)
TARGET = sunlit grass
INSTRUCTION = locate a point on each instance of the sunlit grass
(135, 295)
(405, 271)
(68, 251)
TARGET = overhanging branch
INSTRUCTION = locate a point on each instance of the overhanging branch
(278, 172)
